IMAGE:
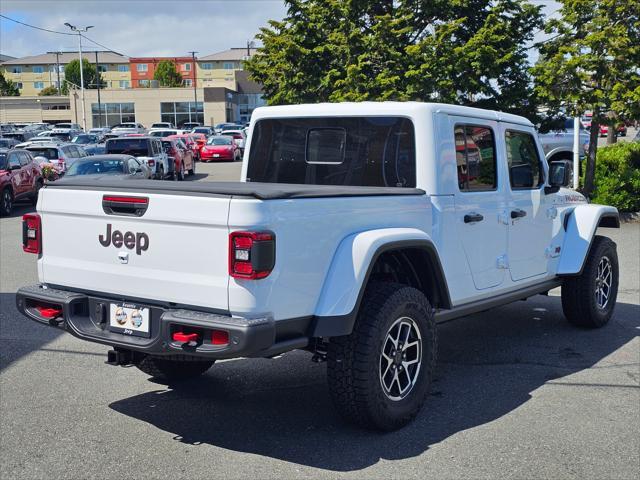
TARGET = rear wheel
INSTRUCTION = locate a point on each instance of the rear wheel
(192, 170)
(588, 300)
(160, 173)
(179, 175)
(379, 376)
(6, 202)
(164, 369)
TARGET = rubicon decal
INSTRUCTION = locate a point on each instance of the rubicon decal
(139, 240)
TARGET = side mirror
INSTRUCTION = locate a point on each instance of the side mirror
(560, 174)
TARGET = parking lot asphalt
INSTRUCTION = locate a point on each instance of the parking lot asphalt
(519, 393)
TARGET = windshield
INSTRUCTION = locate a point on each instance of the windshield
(219, 141)
(138, 147)
(94, 166)
(358, 151)
(126, 125)
(60, 135)
(4, 143)
(85, 139)
(48, 153)
(63, 125)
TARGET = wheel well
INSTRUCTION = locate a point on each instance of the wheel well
(8, 187)
(565, 155)
(416, 267)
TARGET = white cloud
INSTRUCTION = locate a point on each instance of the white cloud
(137, 28)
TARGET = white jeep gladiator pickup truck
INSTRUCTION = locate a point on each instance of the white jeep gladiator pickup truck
(356, 228)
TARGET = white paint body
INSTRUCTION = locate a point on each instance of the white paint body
(324, 246)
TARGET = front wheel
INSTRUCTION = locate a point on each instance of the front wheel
(379, 375)
(6, 202)
(172, 370)
(588, 300)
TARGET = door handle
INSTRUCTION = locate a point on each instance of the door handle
(517, 213)
(473, 218)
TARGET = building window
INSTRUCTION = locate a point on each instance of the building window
(124, 84)
(102, 68)
(16, 70)
(144, 83)
(186, 67)
(38, 85)
(228, 66)
(207, 66)
(188, 82)
(179, 113)
(123, 68)
(19, 85)
(38, 69)
(111, 114)
(142, 67)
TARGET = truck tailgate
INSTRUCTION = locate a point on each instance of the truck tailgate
(184, 260)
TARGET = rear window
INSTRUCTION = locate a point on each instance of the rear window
(138, 147)
(48, 153)
(358, 151)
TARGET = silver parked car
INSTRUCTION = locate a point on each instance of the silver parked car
(128, 127)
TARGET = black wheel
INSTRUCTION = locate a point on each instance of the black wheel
(588, 300)
(164, 369)
(160, 173)
(379, 376)
(192, 171)
(6, 202)
(34, 198)
(181, 172)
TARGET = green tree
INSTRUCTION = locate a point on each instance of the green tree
(167, 75)
(471, 52)
(7, 87)
(72, 75)
(49, 91)
(592, 62)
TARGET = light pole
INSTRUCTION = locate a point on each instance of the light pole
(195, 91)
(80, 31)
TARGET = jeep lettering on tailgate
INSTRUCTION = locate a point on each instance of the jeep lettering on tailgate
(130, 240)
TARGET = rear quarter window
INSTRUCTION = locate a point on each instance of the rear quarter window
(357, 151)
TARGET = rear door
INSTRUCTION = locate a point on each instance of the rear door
(530, 212)
(481, 201)
(176, 251)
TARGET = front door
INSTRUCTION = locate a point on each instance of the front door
(530, 216)
(480, 202)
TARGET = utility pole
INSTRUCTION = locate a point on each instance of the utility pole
(195, 91)
(98, 77)
(57, 54)
(80, 31)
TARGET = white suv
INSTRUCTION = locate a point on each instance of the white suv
(60, 156)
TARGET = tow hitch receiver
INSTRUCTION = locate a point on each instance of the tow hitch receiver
(119, 357)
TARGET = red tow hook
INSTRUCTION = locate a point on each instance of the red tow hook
(49, 312)
(187, 339)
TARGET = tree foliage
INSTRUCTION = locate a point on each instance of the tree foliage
(49, 91)
(89, 72)
(471, 52)
(7, 87)
(167, 75)
(592, 62)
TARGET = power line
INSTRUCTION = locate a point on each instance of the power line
(100, 45)
(33, 26)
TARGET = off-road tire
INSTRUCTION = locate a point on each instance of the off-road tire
(579, 300)
(160, 173)
(179, 175)
(172, 370)
(6, 202)
(192, 171)
(353, 361)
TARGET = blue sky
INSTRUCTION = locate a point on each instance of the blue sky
(146, 27)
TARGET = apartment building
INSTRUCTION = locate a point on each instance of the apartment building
(144, 68)
(34, 73)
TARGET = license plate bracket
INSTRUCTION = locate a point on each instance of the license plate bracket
(130, 319)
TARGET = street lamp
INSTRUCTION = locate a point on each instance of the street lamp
(80, 31)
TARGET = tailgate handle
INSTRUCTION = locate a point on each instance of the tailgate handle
(128, 206)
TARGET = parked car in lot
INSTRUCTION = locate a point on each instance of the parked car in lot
(71, 129)
(128, 127)
(239, 137)
(200, 139)
(356, 228)
(220, 147)
(97, 149)
(164, 132)
(8, 142)
(190, 142)
(558, 144)
(147, 149)
(60, 155)
(100, 132)
(118, 165)
(160, 125)
(206, 131)
(218, 127)
(188, 126)
(86, 139)
(20, 178)
(182, 158)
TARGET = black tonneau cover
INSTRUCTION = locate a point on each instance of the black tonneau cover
(262, 191)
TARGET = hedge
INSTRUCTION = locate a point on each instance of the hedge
(617, 179)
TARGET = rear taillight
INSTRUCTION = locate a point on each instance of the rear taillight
(31, 233)
(62, 163)
(151, 163)
(252, 255)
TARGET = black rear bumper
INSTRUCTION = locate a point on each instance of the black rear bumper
(86, 317)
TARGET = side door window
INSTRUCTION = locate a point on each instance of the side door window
(523, 160)
(17, 172)
(476, 158)
(24, 159)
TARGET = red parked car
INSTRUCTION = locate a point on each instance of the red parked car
(220, 147)
(182, 157)
(20, 179)
(190, 142)
(201, 140)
